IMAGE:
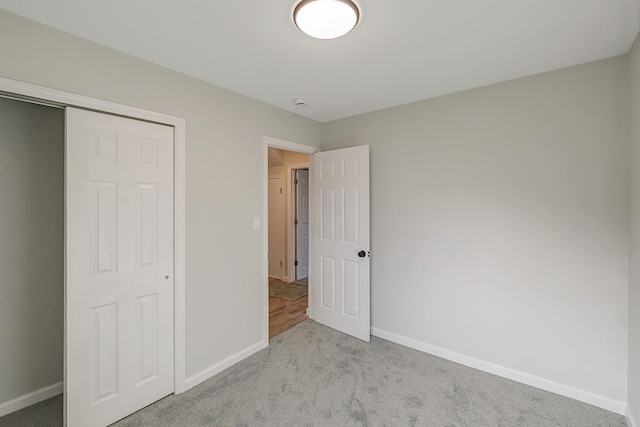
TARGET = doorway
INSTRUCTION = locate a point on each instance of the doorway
(339, 271)
(34, 95)
(287, 285)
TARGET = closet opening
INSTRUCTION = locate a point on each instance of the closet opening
(32, 257)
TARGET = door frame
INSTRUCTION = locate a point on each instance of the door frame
(53, 97)
(269, 141)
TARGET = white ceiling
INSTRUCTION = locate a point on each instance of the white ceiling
(401, 51)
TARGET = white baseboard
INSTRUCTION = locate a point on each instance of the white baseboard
(521, 377)
(630, 419)
(55, 389)
(30, 399)
(209, 372)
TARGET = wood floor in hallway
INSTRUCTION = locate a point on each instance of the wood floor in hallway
(284, 315)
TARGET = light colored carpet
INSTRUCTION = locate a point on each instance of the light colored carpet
(312, 375)
(47, 413)
(286, 291)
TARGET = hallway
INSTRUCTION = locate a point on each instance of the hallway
(283, 314)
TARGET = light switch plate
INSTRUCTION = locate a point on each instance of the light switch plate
(256, 223)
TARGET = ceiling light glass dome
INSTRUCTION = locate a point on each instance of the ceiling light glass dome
(326, 19)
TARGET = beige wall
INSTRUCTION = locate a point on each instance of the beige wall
(500, 225)
(31, 257)
(275, 156)
(634, 280)
(224, 139)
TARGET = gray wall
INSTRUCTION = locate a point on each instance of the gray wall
(500, 224)
(634, 279)
(224, 168)
(32, 253)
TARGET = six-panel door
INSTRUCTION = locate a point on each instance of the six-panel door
(341, 240)
(119, 266)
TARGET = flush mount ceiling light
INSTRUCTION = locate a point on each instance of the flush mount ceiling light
(326, 19)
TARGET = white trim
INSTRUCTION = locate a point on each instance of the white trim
(283, 144)
(291, 214)
(180, 262)
(269, 141)
(30, 399)
(312, 273)
(521, 377)
(81, 101)
(211, 371)
(35, 92)
(630, 419)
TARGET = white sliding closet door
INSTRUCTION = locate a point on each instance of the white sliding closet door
(119, 266)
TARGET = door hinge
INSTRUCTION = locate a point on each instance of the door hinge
(295, 263)
(280, 263)
(295, 222)
(295, 181)
(280, 190)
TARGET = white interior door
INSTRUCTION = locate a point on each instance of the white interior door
(341, 240)
(276, 228)
(119, 266)
(302, 223)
